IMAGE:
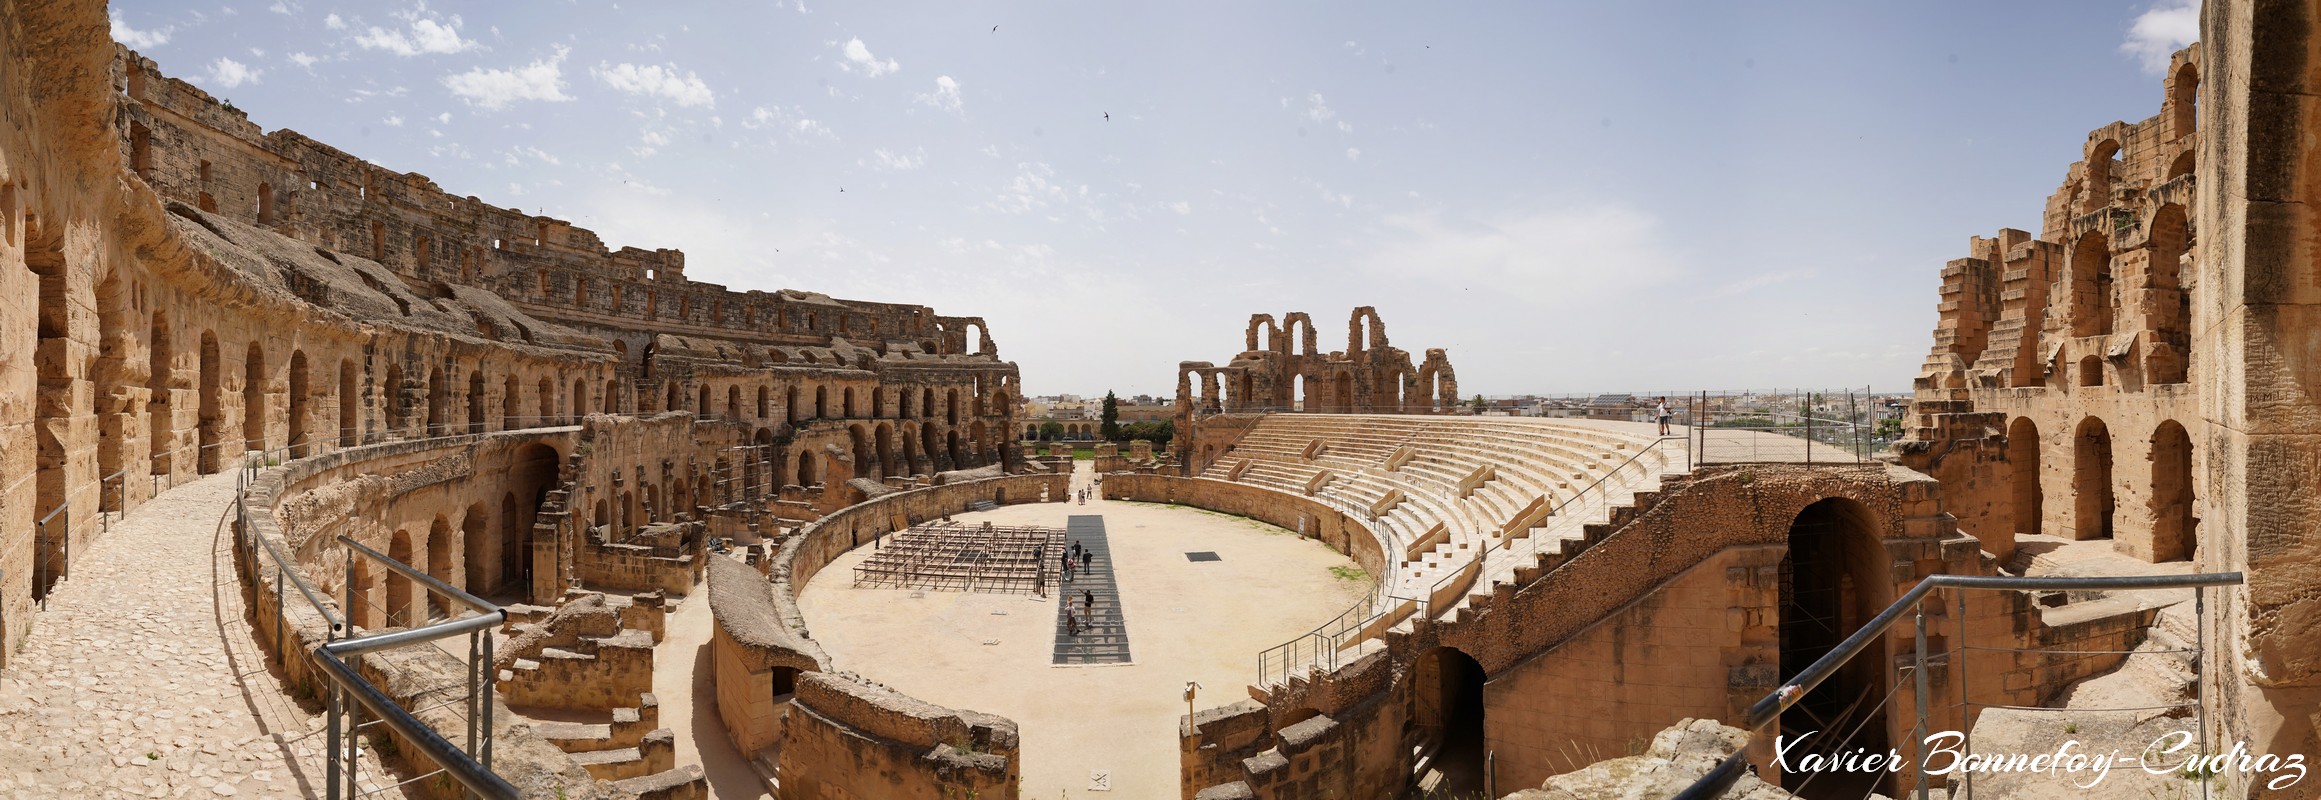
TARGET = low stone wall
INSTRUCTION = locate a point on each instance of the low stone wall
(841, 737)
(1313, 518)
(844, 739)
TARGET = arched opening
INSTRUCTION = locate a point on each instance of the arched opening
(926, 401)
(532, 473)
(2023, 474)
(2171, 306)
(391, 396)
(2090, 371)
(1835, 577)
(2184, 100)
(265, 203)
(547, 403)
(885, 439)
(254, 398)
(298, 390)
(478, 550)
(733, 402)
(508, 420)
(579, 399)
(701, 402)
(212, 396)
(858, 440)
(2174, 527)
(475, 400)
(2180, 167)
(765, 410)
(2101, 166)
(951, 407)
(808, 473)
(1447, 721)
(951, 447)
(438, 565)
(2091, 480)
(2092, 303)
(790, 407)
(928, 444)
(670, 399)
(849, 403)
(350, 402)
(362, 600)
(914, 461)
(1342, 393)
(160, 423)
(438, 420)
(1303, 399)
(398, 586)
(821, 402)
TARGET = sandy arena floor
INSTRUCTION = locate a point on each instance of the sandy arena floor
(1203, 622)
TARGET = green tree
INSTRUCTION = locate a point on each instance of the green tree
(1051, 430)
(1890, 428)
(1481, 405)
(1109, 428)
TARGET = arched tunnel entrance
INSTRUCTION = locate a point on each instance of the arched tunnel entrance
(1833, 579)
(1447, 724)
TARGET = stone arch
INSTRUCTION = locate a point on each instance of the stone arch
(508, 407)
(883, 438)
(1290, 328)
(2092, 290)
(547, 402)
(951, 447)
(398, 586)
(2101, 166)
(2091, 370)
(254, 398)
(809, 473)
(579, 400)
(1447, 717)
(2091, 487)
(2023, 476)
(733, 402)
(1257, 321)
(478, 550)
(821, 402)
(439, 547)
(438, 419)
(929, 442)
(765, 409)
(951, 407)
(2170, 351)
(790, 407)
(350, 402)
(858, 439)
(160, 422)
(2174, 528)
(846, 403)
(1835, 576)
(475, 400)
(914, 458)
(2184, 100)
(265, 203)
(926, 401)
(207, 439)
(297, 403)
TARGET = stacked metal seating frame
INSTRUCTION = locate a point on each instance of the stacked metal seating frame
(947, 555)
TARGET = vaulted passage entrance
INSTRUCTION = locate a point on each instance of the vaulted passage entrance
(1832, 581)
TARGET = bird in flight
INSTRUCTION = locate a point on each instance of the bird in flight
(994, 29)
(1107, 116)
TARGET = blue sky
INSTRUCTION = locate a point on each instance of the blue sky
(1570, 197)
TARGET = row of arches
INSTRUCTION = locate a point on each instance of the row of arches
(481, 548)
(2169, 505)
(803, 402)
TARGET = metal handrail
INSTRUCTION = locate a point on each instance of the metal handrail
(1766, 710)
(1483, 555)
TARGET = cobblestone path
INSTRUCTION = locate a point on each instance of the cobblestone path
(141, 679)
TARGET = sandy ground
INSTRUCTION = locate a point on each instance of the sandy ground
(681, 681)
(1203, 622)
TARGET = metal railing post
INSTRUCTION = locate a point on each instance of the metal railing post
(1965, 700)
(1918, 677)
(2200, 670)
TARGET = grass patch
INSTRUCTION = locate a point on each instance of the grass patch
(1349, 574)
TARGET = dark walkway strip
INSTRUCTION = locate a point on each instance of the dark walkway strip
(1103, 636)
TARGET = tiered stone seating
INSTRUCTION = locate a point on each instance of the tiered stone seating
(1550, 483)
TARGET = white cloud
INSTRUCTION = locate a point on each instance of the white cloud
(799, 128)
(858, 56)
(1033, 188)
(496, 88)
(652, 141)
(1317, 110)
(444, 117)
(136, 39)
(531, 152)
(282, 7)
(229, 73)
(428, 35)
(2167, 27)
(334, 23)
(683, 87)
(394, 121)
(1353, 154)
(884, 160)
(303, 59)
(946, 95)
(1181, 207)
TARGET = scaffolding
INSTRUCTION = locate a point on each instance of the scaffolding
(946, 555)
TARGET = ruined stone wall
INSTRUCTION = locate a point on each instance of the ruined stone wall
(848, 740)
(1287, 373)
(2057, 395)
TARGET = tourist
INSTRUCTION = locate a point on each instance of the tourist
(1662, 413)
(1071, 623)
(1088, 602)
(1085, 556)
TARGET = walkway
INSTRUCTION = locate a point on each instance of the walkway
(1103, 637)
(141, 678)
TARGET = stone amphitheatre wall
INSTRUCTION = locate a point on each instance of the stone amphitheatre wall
(1673, 615)
(839, 735)
(380, 495)
(177, 286)
(2058, 397)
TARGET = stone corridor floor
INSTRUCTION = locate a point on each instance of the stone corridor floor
(141, 678)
